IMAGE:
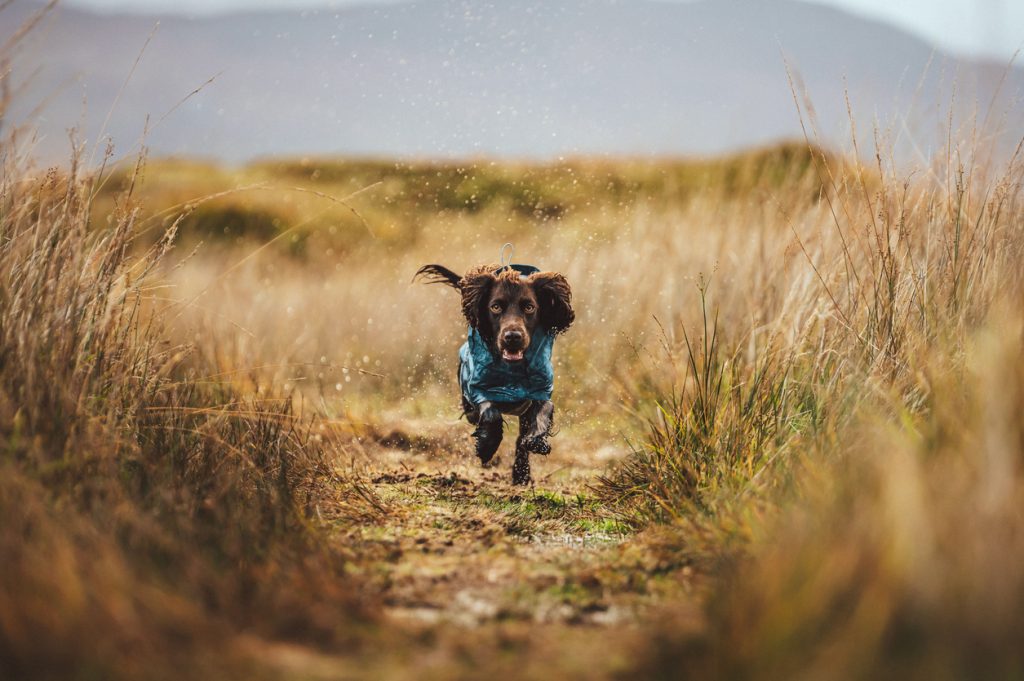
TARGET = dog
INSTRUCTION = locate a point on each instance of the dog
(514, 314)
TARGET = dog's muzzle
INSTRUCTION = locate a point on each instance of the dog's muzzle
(512, 345)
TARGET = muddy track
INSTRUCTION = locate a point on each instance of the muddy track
(459, 545)
(478, 577)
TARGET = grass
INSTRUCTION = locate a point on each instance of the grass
(147, 513)
(545, 511)
(395, 203)
(838, 463)
(807, 385)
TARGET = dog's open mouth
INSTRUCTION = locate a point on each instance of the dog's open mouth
(512, 355)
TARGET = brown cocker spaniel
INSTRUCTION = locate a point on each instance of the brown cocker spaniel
(514, 313)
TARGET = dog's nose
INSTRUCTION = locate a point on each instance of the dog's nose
(513, 337)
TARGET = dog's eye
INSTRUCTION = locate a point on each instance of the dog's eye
(495, 308)
(529, 307)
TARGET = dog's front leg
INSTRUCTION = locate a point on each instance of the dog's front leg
(521, 466)
(488, 431)
(535, 425)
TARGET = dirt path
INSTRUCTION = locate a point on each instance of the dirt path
(459, 554)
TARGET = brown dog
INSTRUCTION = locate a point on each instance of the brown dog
(514, 314)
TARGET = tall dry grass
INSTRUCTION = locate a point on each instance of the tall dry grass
(350, 331)
(818, 379)
(147, 516)
(851, 462)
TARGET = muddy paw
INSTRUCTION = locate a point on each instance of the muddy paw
(521, 472)
(486, 447)
(538, 445)
(488, 435)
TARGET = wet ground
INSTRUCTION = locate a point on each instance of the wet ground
(474, 567)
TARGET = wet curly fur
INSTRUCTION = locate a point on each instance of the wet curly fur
(506, 308)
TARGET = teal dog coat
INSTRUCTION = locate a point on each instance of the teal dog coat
(485, 377)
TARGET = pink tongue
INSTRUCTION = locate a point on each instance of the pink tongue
(512, 355)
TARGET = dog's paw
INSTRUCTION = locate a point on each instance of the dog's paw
(488, 435)
(521, 474)
(538, 445)
(486, 445)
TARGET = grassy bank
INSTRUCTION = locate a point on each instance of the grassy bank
(150, 512)
(850, 464)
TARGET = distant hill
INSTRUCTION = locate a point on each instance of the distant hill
(517, 78)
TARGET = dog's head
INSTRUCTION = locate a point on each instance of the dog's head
(507, 308)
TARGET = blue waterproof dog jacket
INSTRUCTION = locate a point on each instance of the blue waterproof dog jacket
(485, 377)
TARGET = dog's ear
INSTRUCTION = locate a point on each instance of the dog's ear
(555, 298)
(476, 291)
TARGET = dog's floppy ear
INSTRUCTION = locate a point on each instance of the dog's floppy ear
(476, 291)
(555, 298)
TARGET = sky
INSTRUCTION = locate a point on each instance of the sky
(988, 28)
